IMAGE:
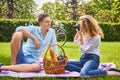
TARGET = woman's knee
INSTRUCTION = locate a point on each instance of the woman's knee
(83, 73)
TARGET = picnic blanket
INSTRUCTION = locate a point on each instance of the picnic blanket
(41, 73)
(37, 74)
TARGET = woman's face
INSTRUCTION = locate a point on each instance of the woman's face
(45, 23)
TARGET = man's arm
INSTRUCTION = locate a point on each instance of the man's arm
(27, 34)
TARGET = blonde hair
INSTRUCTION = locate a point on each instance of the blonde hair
(89, 27)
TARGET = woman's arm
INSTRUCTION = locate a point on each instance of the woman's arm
(91, 44)
(78, 38)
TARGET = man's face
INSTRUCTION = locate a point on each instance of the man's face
(45, 23)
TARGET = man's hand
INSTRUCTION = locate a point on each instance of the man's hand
(31, 36)
(13, 62)
(37, 44)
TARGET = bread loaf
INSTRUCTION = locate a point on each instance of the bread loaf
(52, 54)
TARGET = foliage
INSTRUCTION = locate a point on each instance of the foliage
(102, 10)
(21, 7)
(55, 10)
(116, 11)
(106, 10)
(105, 16)
(7, 28)
(111, 31)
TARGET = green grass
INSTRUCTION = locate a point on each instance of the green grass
(49, 78)
(110, 52)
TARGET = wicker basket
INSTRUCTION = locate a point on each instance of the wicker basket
(52, 66)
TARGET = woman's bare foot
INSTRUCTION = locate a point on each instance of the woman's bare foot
(113, 73)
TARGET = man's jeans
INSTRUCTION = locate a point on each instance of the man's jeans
(87, 65)
(26, 59)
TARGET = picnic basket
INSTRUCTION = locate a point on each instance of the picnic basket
(53, 66)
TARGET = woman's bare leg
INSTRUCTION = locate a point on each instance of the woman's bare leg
(113, 73)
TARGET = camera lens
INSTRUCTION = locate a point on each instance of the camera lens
(77, 26)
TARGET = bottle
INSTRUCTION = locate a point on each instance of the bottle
(60, 57)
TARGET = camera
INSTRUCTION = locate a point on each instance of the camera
(77, 26)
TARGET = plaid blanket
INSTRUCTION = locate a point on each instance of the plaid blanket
(41, 73)
(37, 74)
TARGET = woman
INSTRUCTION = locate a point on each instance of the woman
(89, 37)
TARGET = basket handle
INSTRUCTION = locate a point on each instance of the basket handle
(52, 46)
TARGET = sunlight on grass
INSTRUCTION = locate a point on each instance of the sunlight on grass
(110, 52)
(72, 51)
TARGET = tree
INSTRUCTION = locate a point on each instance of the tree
(116, 11)
(11, 8)
(106, 10)
(55, 10)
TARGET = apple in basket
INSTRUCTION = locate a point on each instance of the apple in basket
(50, 64)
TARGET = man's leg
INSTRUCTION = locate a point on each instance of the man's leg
(22, 67)
(15, 46)
(16, 54)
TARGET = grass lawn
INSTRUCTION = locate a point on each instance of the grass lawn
(110, 52)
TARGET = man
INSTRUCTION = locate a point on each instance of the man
(26, 58)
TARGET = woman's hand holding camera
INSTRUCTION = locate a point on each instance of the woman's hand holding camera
(78, 35)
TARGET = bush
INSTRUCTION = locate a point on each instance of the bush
(7, 28)
(111, 31)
